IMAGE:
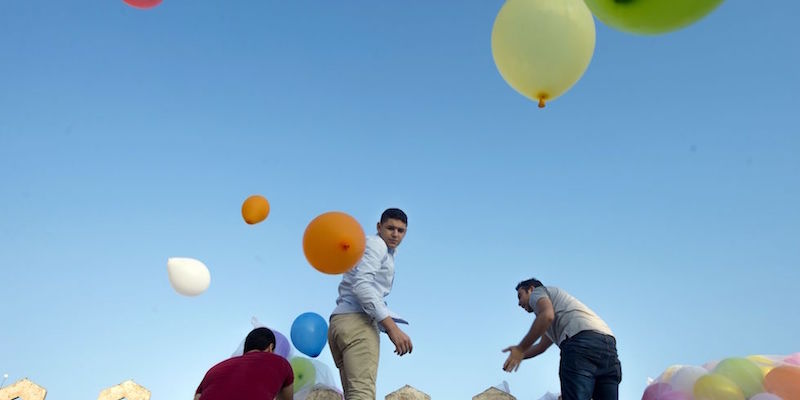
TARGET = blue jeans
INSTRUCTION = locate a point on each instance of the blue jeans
(590, 368)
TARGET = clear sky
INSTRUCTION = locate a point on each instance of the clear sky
(662, 189)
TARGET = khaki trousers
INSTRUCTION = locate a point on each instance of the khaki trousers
(355, 346)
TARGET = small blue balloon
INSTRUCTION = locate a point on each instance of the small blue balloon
(309, 333)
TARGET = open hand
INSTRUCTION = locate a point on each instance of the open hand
(514, 359)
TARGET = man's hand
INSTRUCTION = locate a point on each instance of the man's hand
(402, 343)
(514, 358)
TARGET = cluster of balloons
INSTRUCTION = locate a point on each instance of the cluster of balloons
(542, 47)
(756, 377)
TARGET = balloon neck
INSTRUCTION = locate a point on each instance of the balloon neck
(541, 102)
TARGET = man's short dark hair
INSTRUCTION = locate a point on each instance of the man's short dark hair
(529, 283)
(394, 213)
(259, 339)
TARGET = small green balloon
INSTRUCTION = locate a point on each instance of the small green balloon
(650, 17)
(745, 373)
(304, 372)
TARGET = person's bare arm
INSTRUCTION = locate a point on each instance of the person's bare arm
(544, 317)
(286, 393)
(197, 396)
(543, 320)
(402, 343)
(538, 348)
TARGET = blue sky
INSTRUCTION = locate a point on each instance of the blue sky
(662, 189)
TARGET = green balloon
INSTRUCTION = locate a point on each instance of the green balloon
(304, 372)
(650, 17)
(745, 373)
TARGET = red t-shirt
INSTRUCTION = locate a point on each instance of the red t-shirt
(254, 376)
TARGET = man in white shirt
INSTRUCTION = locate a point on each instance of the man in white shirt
(361, 310)
(590, 367)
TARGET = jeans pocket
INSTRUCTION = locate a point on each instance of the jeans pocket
(575, 363)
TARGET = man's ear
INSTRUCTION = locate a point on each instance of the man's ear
(270, 348)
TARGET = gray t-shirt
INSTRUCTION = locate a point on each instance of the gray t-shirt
(571, 316)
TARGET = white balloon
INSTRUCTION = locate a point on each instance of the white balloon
(683, 380)
(766, 396)
(188, 276)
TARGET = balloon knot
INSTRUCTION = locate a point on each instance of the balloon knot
(541, 102)
(345, 246)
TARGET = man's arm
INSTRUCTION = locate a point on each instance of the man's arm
(369, 297)
(286, 393)
(197, 396)
(544, 317)
(538, 348)
(402, 343)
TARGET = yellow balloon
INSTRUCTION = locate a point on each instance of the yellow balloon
(759, 359)
(765, 363)
(542, 47)
(717, 387)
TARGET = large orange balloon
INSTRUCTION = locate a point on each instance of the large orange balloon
(784, 381)
(143, 3)
(334, 242)
(255, 209)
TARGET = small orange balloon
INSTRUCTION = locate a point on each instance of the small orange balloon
(784, 381)
(255, 209)
(334, 242)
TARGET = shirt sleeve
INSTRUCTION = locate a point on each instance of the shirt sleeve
(364, 286)
(536, 295)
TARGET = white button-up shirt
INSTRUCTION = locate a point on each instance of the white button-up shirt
(364, 288)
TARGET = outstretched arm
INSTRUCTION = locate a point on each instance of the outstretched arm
(538, 348)
(544, 318)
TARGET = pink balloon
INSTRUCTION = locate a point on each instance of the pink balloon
(143, 3)
(663, 391)
(656, 391)
(793, 359)
(675, 396)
